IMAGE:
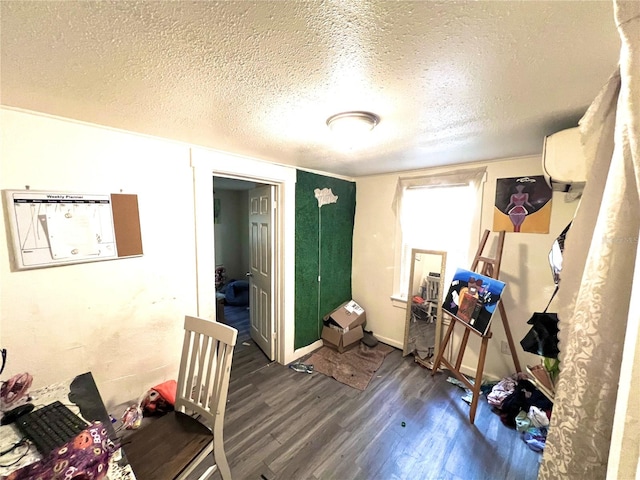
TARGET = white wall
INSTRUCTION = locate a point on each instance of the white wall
(524, 268)
(100, 316)
(230, 239)
(121, 319)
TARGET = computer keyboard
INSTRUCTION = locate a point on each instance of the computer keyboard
(50, 426)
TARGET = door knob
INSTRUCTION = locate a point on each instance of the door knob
(249, 274)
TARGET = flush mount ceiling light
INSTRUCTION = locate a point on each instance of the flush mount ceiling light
(348, 123)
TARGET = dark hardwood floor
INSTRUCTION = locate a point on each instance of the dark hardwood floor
(281, 424)
(247, 357)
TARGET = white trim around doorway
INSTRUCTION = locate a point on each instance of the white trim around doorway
(209, 163)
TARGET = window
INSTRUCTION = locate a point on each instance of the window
(437, 213)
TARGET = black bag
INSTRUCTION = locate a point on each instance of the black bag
(542, 339)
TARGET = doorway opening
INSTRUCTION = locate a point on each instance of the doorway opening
(244, 240)
(206, 165)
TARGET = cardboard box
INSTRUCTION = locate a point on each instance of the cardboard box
(342, 341)
(346, 316)
(343, 327)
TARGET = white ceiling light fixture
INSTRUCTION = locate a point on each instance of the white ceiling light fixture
(352, 123)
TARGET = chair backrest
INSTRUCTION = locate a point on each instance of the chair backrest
(433, 287)
(203, 379)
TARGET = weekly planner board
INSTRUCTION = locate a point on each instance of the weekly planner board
(55, 228)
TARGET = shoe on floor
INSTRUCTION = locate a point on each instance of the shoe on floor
(301, 367)
(369, 340)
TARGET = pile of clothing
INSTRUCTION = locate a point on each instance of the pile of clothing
(523, 407)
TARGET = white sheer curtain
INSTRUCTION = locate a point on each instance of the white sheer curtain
(437, 212)
(598, 271)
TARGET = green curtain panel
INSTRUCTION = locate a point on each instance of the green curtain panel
(324, 240)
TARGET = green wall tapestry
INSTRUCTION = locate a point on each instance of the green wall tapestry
(324, 240)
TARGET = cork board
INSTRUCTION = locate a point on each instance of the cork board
(126, 224)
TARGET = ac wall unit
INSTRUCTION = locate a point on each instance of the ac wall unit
(563, 160)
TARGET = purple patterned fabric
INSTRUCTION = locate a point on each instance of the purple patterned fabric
(85, 457)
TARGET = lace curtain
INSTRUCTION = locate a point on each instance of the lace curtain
(597, 277)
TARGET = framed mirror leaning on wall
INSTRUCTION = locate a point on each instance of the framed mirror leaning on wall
(423, 327)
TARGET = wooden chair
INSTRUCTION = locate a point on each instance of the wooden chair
(172, 446)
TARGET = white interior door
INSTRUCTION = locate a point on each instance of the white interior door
(261, 213)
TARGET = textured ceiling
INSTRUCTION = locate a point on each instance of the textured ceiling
(452, 82)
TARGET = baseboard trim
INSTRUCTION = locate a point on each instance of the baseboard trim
(471, 372)
(389, 341)
(301, 352)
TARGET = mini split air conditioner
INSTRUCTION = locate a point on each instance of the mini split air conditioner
(563, 160)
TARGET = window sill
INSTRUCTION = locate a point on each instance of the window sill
(398, 301)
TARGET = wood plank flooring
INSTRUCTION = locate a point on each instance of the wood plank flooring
(285, 425)
(247, 357)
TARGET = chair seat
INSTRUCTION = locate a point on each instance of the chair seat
(176, 445)
(163, 448)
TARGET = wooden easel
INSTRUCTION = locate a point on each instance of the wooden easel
(489, 267)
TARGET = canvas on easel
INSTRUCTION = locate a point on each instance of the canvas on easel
(473, 298)
(481, 267)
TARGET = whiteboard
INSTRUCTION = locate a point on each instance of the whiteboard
(57, 228)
